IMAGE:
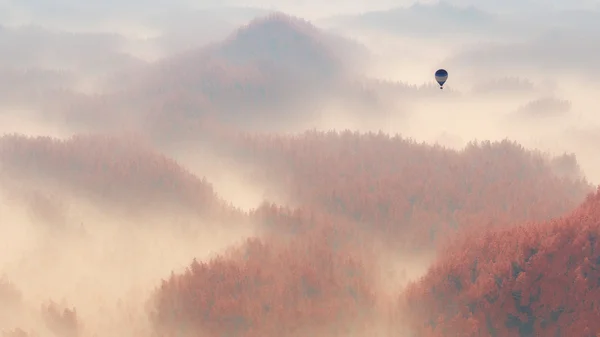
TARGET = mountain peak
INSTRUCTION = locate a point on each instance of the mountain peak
(281, 41)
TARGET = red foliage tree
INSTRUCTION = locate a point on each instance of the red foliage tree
(532, 280)
(414, 194)
(118, 169)
(269, 287)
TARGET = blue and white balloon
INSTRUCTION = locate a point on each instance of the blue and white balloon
(441, 76)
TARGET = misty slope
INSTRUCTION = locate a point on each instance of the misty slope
(310, 263)
(270, 288)
(283, 43)
(94, 222)
(416, 194)
(277, 70)
(531, 280)
(118, 172)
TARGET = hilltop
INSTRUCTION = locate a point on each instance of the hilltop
(534, 279)
(275, 72)
(122, 173)
(415, 194)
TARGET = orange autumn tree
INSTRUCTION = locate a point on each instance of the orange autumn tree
(268, 287)
(414, 194)
(123, 170)
(538, 279)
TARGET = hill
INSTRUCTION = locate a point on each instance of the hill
(320, 268)
(118, 171)
(414, 194)
(281, 42)
(311, 283)
(536, 279)
(275, 71)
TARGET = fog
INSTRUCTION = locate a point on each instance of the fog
(522, 70)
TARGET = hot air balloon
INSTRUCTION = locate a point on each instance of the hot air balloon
(441, 76)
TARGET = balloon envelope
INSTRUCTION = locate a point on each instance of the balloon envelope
(441, 76)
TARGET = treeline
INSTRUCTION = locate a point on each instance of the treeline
(413, 194)
(416, 194)
(121, 170)
(58, 319)
(315, 268)
(537, 279)
(269, 288)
